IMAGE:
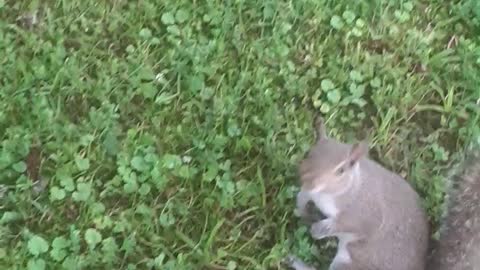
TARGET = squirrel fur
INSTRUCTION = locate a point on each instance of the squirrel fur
(458, 247)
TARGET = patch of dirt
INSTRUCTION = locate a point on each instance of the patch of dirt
(34, 162)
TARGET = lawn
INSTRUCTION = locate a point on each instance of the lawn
(166, 134)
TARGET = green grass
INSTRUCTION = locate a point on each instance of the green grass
(166, 133)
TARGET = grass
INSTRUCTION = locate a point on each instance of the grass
(166, 134)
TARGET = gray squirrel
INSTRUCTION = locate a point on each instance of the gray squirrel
(377, 216)
(458, 247)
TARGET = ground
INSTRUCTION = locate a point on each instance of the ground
(166, 134)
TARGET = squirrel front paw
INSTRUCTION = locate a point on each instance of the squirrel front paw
(309, 214)
(289, 261)
(322, 229)
(292, 262)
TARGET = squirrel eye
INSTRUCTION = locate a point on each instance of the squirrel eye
(340, 170)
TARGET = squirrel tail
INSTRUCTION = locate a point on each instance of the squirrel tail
(458, 247)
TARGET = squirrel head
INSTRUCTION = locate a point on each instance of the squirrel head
(330, 164)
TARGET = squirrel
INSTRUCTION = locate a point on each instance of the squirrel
(458, 247)
(376, 215)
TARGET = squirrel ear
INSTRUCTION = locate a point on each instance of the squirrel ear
(358, 151)
(320, 128)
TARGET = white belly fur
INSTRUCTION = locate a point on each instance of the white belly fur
(326, 204)
(343, 256)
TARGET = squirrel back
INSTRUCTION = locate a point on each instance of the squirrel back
(458, 247)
